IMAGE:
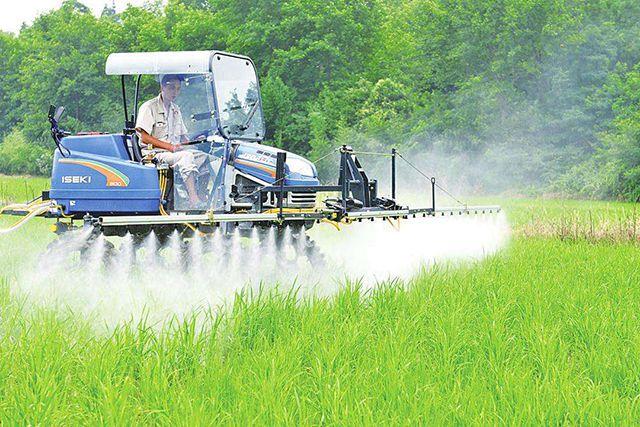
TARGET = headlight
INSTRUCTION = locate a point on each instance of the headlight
(301, 167)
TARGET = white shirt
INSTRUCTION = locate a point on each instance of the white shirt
(157, 121)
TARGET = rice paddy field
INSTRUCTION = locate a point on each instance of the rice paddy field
(547, 331)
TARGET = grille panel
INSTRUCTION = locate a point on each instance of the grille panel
(300, 198)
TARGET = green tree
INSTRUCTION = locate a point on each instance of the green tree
(62, 62)
(7, 81)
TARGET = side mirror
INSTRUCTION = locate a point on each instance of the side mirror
(58, 113)
(52, 111)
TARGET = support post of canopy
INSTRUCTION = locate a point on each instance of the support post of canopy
(124, 102)
(393, 173)
(433, 193)
(135, 101)
(280, 162)
(344, 177)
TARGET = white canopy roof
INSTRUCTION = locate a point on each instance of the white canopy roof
(186, 62)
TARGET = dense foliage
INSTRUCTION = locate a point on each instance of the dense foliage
(535, 94)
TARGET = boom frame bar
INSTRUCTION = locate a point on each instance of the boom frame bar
(277, 218)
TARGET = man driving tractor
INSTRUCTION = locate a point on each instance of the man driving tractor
(160, 125)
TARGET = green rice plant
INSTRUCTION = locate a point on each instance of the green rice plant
(545, 332)
(524, 211)
(19, 189)
(570, 220)
(615, 229)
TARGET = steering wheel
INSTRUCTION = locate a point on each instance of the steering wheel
(200, 135)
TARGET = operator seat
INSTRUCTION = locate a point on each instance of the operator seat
(134, 148)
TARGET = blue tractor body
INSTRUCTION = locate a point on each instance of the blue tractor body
(259, 161)
(98, 177)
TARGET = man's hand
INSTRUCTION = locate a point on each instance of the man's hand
(177, 147)
(157, 143)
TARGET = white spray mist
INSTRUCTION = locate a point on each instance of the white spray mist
(173, 280)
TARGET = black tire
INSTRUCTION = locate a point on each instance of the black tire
(307, 248)
(107, 257)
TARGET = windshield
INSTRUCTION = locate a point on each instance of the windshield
(196, 103)
(190, 95)
(238, 98)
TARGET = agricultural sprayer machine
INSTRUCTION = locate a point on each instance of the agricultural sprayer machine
(107, 185)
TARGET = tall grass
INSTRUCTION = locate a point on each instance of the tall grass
(545, 333)
(594, 228)
(21, 188)
(571, 220)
